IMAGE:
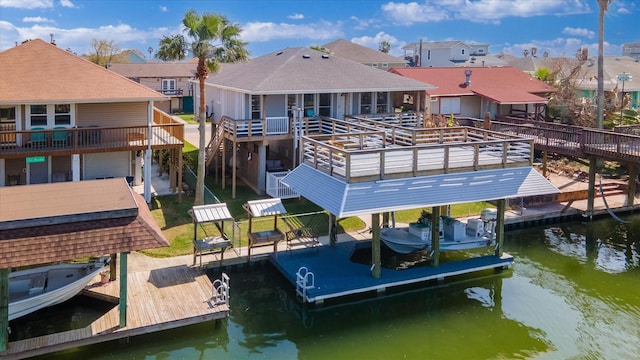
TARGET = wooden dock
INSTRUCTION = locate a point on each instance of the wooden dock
(158, 299)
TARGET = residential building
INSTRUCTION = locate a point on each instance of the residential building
(615, 68)
(364, 55)
(632, 50)
(473, 91)
(264, 104)
(67, 119)
(169, 78)
(449, 53)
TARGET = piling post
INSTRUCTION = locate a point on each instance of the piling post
(502, 205)
(4, 309)
(592, 187)
(375, 246)
(435, 236)
(123, 289)
(631, 186)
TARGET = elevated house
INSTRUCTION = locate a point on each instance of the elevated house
(616, 68)
(263, 107)
(449, 53)
(632, 50)
(168, 78)
(67, 119)
(364, 55)
(474, 91)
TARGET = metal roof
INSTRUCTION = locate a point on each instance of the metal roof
(210, 212)
(349, 199)
(265, 207)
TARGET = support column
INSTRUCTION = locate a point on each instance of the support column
(592, 187)
(385, 219)
(333, 230)
(375, 246)
(75, 167)
(4, 309)
(262, 165)
(631, 186)
(502, 205)
(435, 236)
(123, 289)
(137, 175)
(234, 164)
(544, 163)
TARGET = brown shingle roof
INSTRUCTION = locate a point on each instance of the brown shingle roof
(73, 235)
(38, 72)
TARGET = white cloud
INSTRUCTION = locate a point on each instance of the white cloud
(36, 19)
(579, 32)
(27, 4)
(362, 24)
(409, 13)
(296, 16)
(164, 8)
(374, 42)
(67, 4)
(490, 11)
(266, 31)
(624, 11)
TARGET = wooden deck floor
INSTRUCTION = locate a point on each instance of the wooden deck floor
(157, 300)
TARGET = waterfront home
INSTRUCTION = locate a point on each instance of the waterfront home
(263, 105)
(450, 53)
(67, 119)
(169, 78)
(364, 55)
(475, 91)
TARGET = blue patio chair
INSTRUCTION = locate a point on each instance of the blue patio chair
(59, 136)
(38, 137)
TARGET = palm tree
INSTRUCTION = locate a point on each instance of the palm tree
(213, 39)
(603, 5)
(384, 46)
(172, 48)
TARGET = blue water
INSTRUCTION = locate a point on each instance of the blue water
(573, 293)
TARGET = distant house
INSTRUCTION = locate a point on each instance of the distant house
(449, 53)
(615, 68)
(134, 56)
(259, 103)
(473, 91)
(169, 78)
(67, 119)
(364, 55)
(632, 50)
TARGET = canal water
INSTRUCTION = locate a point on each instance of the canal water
(573, 293)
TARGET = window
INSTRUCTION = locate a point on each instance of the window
(385, 65)
(382, 101)
(375, 65)
(256, 108)
(168, 85)
(38, 115)
(62, 114)
(462, 51)
(366, 103)
(324, 105)
(450, 105)
(309, 105)
(50, 115)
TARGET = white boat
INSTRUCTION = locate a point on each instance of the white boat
(454, 234)
(36, 288)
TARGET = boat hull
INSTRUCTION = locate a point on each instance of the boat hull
(402, 241)
(34, 289)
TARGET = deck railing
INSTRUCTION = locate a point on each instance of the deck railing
(79, 140)
(369, 156)
(277, 189)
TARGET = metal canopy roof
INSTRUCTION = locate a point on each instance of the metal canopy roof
(210, 212)
(265, 207)
(350, 199)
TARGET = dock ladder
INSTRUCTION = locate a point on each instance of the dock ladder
(221, 290)
(305, 280)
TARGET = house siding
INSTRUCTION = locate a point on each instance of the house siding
(112, 114)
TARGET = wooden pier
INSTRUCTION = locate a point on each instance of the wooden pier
(158, 299)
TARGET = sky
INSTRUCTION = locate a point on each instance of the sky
(560, 27)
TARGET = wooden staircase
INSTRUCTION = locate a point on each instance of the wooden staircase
(211, 150)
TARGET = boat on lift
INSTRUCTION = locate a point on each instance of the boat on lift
(454, 235)
(40, 287)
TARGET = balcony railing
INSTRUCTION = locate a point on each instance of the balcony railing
(171, 92)
(35, 142)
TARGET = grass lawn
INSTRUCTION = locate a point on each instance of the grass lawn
(176, 224)
(189, 118)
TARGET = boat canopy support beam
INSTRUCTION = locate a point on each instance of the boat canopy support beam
(4, 309)
(375, 246)
(502, 205)
(123, 289)
(435, 236)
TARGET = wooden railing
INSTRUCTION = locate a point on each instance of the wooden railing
(370, 156)
(79, 140)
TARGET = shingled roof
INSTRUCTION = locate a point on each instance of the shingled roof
(37, 72)
(62, 221)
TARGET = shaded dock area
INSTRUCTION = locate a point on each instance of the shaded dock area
(157, 299)
(345, 277)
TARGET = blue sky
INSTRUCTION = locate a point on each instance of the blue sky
(510, 26)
